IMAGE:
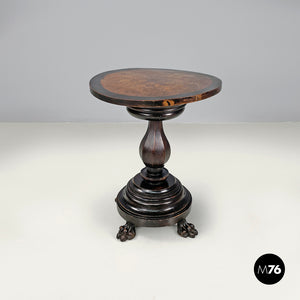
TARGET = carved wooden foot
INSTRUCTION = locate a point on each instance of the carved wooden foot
(126, 232)
(186, 229)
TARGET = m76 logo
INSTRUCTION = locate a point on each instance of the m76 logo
(269, 269)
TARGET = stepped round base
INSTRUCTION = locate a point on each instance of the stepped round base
(154, 204)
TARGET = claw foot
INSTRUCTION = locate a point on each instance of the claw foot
(186, 229)
(126, 232)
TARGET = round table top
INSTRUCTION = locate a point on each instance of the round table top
(147, 87)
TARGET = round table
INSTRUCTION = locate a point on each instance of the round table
(154, 197)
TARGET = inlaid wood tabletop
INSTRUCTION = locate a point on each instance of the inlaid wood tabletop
(147, 87)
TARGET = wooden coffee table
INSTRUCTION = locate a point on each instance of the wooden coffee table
(154, 197)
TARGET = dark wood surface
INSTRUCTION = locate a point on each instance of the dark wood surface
(146, 87)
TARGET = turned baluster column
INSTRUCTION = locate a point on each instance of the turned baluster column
(154, 148)
(155, 152)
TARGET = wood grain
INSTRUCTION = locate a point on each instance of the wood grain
(153, 87)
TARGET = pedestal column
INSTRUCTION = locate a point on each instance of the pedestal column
(154, 197)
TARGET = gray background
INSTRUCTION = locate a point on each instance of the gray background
(50, 49)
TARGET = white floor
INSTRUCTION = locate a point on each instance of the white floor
(58, 218)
